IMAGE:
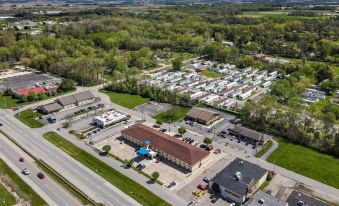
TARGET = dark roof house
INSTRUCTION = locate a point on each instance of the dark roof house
(249, 133)
(202, 115)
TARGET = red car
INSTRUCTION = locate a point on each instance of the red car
(202, 187)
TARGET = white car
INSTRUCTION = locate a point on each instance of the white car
(25, 171)
(232, 204)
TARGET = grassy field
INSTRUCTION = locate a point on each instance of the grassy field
(125, 184)
(264, 13)
(173, 114)
(307, 162)
(125, 100)
(211, 74)
(265, 149)
(6, 197)
(28, 117)
(19, 186)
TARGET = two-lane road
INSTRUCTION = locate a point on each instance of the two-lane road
(83, 178)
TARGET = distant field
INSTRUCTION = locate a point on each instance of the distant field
(172, 115)
(265, 13)
(307, 162)
(19, 186)
(125, 100)
(122, 182)
(29, 118)
(211, 74)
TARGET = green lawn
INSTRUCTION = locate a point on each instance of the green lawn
(264, 13)
(7, 102)
(211, 74)
(125, 184)
(6, 197)
(173, 114)
(265, 149)
(307, 162)
(19, 186)
(126, 100)
(28, 117)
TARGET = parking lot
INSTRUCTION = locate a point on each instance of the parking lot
(152, 108)
(186, 191)
(26, 81)
(198, 132)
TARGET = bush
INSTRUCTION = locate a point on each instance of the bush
(269, 176)
(207, 140)
(106, 148)
(155, 176)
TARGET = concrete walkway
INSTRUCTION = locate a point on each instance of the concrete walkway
(271, 150)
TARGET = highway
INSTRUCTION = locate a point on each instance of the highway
(51, 192)
(83, 178)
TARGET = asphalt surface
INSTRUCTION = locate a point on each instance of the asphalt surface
(51, 192)
(83, 178)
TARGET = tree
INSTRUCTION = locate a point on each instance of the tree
(269, 176)
(129, 163)
(23, 98)
(177, 63)
(159, 122)
(207, 140)
(182, 131)
(106, 148)
(67, 85)
(155, 176)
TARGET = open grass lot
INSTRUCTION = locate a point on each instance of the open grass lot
(6, 197)
(307, 162)
(173, 114)
(19, 186)
(125, 184)
(28, 117)
(211, 74)
(125, 100)
(265, 149)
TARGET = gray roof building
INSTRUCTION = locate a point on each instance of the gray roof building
(238, 176)
(52, 107)
(263, 199)
(76, 98)
(250, 134)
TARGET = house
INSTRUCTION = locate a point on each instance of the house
(312, 95)
(263, 199)
(51, 108)
(245, 95)
(249, 135)
(202, 115)
(78, 99)
(170, 148)
(238, 181)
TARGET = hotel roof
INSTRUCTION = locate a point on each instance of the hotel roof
(165, 143)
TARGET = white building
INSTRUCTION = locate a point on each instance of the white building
(109, 118)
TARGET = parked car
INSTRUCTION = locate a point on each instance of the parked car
(205, 179)
(1, 124)
(25, 171)
(41, 175)
(199, 193)
(172, 184)
(202, 187)
(21, 159)
(214, 199)
(141, 166)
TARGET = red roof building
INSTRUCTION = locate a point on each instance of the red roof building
(179, 152)
(36, 90)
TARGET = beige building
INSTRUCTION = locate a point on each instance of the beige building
(181, 153)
